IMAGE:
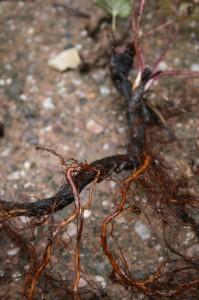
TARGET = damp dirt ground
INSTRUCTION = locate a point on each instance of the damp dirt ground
(41, 106)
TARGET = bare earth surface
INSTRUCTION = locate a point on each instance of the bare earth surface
(40, 106)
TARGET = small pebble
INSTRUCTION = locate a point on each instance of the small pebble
(80, 94)
(8, 81)
(99, 75)
(48, 103)
(27, 165)
(121, 129)
(158, 247)
(16, 276)
(94, 127)
(22, 173)
(84, 33)
(193, 251)
(23, 97)
(24, 219)
(2, 82)
(71, 229)
(6, 152)
(87, 213)
(8, 67)
(79, 47)
(176, 61)
(112, 184)
(14, 176)
(82, 282)
(13, 252)
(162, 66)
(104, 91)
(142, 230)
(65, 148)
(76, 82)
(47, 129)
(77, 145)
(68, 59)
(120, 220)
(195, 67)
(101, 280)
(31, 31)
(103, 284)
(106, 147)
(27, 185)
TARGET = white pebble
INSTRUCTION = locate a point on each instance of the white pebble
(87, 213)
(16, 276)
(8, 81)
(77, 145)
(82, 282)
(14, 176)
(23, 97)
(193, 251)
(8, 67)
(22, 173)
(65, 148)
(106, 147)
(162, 66)
(27, 165)
(13, 252)
(67, 59)
(161, 258)
(112, 184)
(2, 82)
(94, 127)
(31, 30)
(101, 280)
(48, 103)
(121, 129)
(6, 152)
(79, 47)
(176, 61)
(103, 284)
(76, 82)
(120, 118)
(84, 33)
(47, 129)
(71, 229)
(104, 91)
(24, 219)
(195, 67)
(142, 230)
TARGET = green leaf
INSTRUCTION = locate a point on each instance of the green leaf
(121, 8)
